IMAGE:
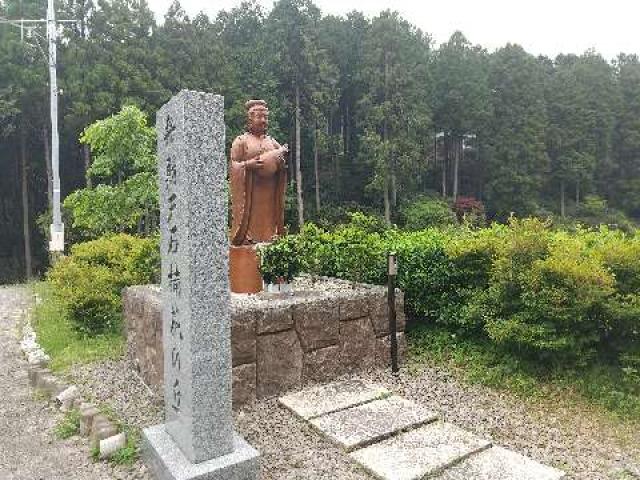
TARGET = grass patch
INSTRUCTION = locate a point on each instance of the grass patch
(65, 346)
(95, 453)
(125, 456)
(130, 453)
(480, 361)
(69, 425)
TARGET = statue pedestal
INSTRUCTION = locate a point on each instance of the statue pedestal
(244, 273)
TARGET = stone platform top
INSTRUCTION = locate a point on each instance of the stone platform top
(309, 288)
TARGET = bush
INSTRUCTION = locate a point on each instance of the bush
(550, 295)
(427, 212)
(280, 260)
(469, 210)
(333, 214)
(89, 281)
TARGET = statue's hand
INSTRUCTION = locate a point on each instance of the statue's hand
(255, 163)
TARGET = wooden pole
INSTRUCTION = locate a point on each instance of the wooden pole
(391, 296)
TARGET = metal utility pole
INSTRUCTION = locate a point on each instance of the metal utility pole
(57, 227)
(56, 243)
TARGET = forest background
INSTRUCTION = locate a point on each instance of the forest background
(375, 115)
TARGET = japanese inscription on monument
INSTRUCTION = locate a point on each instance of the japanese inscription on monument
(196, 331)
(193, 251)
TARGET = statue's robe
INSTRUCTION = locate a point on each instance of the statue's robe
(257, 196)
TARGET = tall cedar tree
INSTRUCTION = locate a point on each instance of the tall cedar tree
(518, 159)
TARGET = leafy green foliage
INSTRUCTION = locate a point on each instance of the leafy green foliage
(126, 197)
(130, 453)
(541, 293)
(89, 281)
(478, 360)
(69, 425)
(394, 109)
(427, 212)
(280, 260)
(516, 150)
(61, 339)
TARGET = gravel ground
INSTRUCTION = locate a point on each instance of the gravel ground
(563, 434)
(29, 449)
(583, 443)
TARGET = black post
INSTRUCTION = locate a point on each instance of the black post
(391, 297)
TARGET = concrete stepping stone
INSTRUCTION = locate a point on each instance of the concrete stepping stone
(418, 453)
(368, 423)
(498, 463)
(331, 398)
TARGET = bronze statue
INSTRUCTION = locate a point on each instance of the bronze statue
(258, 181)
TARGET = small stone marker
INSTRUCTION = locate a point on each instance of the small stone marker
(35, 373)
(111, 445)
(333, 397)
(373, 421)
(498, 463)
(66, 398)
(420, 453)
(100, 432)
(197, 439)
(87, 413)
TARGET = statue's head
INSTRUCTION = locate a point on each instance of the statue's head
(257, 116)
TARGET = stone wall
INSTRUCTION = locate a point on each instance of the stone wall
(279, 342)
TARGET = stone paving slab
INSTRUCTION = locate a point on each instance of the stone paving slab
(418, 453)
(362, 425)
(498, 463)
(313, 402)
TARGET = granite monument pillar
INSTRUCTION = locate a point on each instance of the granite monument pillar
(197, 440)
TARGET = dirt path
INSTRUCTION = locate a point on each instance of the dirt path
(29, 449)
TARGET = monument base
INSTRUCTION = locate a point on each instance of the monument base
(167, 462)
(244, 272)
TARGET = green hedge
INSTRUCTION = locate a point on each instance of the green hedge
(89, 281)
(540, 292)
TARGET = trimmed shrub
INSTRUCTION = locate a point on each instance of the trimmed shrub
(427, 212)
(280, 260)
(551, 295)
(89, 281)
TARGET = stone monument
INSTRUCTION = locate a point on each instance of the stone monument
(197, 440)
(258, 182)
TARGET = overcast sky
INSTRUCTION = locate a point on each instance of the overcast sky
(544, 27)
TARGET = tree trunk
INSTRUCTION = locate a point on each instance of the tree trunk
(456, 166)
(390, 171)
(394, 182)
(337, 161)
(346, 133)
(49, 168)
(387, 203)
(562, 204)
(445, 156)
(298, 160)
(25, 207)
(86, 155)
(316, 169)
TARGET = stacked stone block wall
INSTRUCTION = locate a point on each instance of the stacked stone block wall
(326, 329)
